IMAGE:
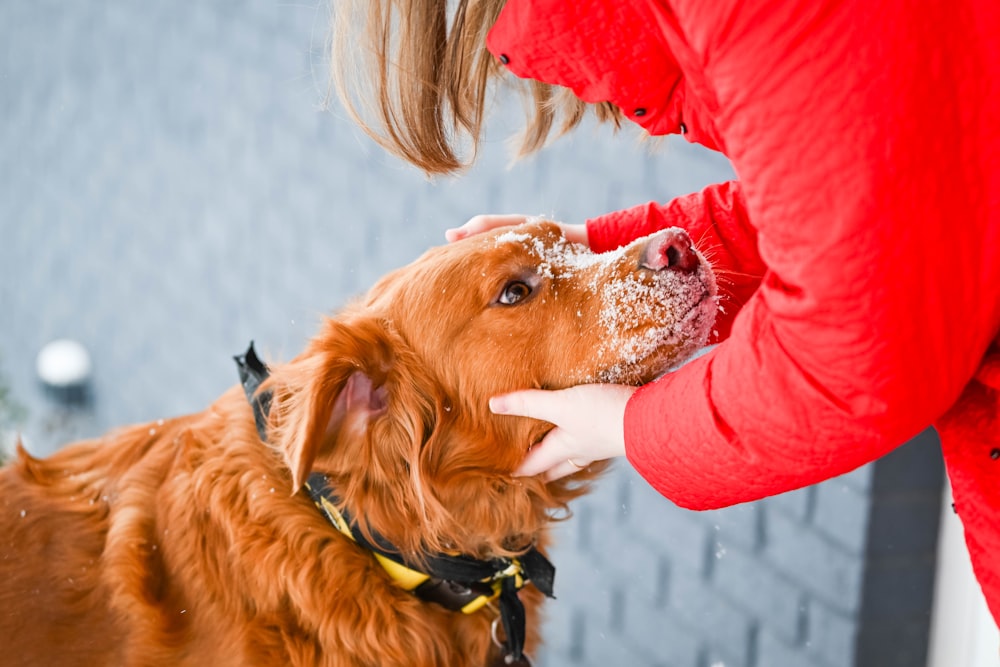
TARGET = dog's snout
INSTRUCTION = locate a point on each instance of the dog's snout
(669, 250)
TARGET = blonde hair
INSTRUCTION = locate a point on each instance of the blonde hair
(419, 86)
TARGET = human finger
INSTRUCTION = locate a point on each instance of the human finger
(563, 469)
(576, 233)
(546, 405)
(482, 223)
(553, 457)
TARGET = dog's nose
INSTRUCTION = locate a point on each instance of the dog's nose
(669, 250)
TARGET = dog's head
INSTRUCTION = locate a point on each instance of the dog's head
(390, 400)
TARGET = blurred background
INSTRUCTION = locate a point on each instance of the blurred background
(171, 188)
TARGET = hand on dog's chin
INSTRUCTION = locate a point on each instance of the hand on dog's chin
(589, 426)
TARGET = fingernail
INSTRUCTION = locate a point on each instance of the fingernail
(453, 234)
(523, 470)
(498, 405)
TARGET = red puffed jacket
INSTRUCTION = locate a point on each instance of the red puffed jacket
(861, 243)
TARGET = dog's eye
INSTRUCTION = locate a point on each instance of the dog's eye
(514, 291)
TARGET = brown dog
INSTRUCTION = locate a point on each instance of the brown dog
(189, 542)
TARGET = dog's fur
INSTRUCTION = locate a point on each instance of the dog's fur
(185, 541)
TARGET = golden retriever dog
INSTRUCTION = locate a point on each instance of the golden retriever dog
(373, 517)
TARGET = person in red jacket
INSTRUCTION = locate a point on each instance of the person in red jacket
(866, 139)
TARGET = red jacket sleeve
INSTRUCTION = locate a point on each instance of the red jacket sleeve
(869, 169)
(716, 220)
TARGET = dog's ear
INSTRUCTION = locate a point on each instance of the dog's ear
(356, 402)
(331, 396)
(332, 391)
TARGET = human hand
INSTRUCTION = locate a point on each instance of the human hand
(484, 223)
(589, 420)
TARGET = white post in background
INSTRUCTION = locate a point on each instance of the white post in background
(963, 633)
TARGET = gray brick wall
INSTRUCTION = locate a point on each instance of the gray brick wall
(169, 189)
